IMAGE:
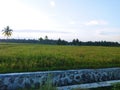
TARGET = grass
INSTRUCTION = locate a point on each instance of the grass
(116, 86)
(35, 57)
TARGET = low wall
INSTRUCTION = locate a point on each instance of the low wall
(13, 81)
(89, 85)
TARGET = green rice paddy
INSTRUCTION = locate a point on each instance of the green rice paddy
(36, 57)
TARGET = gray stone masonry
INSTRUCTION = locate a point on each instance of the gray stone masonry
(14, 81)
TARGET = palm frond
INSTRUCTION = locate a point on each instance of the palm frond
(7, 31)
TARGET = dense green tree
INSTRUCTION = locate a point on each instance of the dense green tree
(73, 42)
(40, 39)
(77, 41)
(59, 41)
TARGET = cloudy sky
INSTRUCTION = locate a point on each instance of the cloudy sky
(66, 19)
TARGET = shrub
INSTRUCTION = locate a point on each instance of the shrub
(116, 86)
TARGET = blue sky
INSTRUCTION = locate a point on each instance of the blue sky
(86, 20)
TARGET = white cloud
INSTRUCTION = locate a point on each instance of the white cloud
(52, 3)
(108, 34)
(72, 22)
(96, 22)
(20, 16)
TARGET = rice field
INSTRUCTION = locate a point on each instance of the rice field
(36, 57)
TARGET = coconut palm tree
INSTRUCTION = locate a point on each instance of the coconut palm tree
(7, 32)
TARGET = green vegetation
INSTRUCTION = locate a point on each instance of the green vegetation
(116, 86)
(35, 57)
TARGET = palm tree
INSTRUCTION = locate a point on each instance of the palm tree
(7, 32)
(46, 37)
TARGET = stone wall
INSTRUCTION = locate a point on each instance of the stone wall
(13, 81)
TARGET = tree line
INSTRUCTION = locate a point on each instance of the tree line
(75, 42)
(7, 32)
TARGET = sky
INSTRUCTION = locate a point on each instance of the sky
(87, 20)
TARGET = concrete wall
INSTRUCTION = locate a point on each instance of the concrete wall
(89, 85)
(13, 81)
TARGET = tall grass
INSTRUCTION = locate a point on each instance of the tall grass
(34, 57)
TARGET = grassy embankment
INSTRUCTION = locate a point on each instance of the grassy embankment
(34, 57)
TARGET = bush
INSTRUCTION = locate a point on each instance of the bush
(116, 86)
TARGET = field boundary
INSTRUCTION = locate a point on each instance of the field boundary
(13, 81)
